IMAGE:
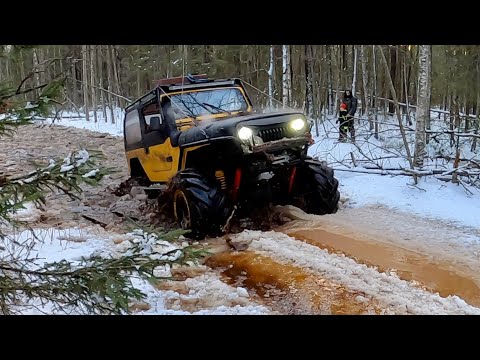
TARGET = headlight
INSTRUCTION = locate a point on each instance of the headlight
(245, 133)
(257, 140)
(297, 124)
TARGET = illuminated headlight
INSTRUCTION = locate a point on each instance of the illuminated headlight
(297, 124)
(245, 133)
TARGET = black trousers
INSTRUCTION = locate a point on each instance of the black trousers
(345, 127)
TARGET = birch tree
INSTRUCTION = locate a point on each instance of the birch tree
(286, 80)
(271, 74)
(423, 103)
(354, 80)
(363, 62)
(309, 81)
(110, 85)
(374, 100)
(85, 81)
(92, 82)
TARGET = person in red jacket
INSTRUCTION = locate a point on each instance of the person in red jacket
(348, 107)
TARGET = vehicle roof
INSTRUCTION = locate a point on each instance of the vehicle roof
(175, 84)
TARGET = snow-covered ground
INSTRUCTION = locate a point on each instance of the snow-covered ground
(103, 125)
(398, 296)
(430, 197)
(207, 292)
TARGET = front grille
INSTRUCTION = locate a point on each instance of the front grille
(273, 134)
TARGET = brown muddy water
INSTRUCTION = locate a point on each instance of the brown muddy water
(436, 276)
(289, 289)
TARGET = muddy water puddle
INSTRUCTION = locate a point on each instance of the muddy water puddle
(288, 289)
(436, 276)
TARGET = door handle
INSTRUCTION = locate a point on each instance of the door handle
(169, 159)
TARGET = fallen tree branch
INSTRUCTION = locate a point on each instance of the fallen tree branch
(406, 172)
(416, 187)
(100, 88)
(472, 135)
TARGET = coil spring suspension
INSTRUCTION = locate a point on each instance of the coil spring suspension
(220, 175)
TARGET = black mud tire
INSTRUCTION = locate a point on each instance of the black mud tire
(198, 204)
(318, 188)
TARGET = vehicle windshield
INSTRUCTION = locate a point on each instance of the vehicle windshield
(207, 102)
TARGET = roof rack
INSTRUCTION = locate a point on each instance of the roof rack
(189, 79)
(175, 83)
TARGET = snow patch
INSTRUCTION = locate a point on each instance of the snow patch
(207, 293)
(431, 197)
(398, 295)
(103, 125)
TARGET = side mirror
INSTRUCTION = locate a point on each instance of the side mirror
(155, 123)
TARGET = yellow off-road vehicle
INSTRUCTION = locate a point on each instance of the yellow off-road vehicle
(202, 139)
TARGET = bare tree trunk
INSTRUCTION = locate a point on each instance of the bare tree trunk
(22, 70)
(139, 91)
(116, 77)
(7, 68)
(55, 63)
(286, 88)
(339, 81)
(423, 103)
(363, 62)
(271, 79)
(36, 69)
(342, 67)
(330, 79)
(393, 73)
(456, 113)
(85, 81)
(428, 125)
(354, 81)
(185, 61)
(100, 75)
(290, 77)
(452, 117)
(318, 82)
(374, 98)
(61, 61)
(169, 61)
(47, 75)
(400, 123)
(74, 81)
(467, 113)
(407, 101)
(110, 86)
(40, 58)
(92, 82)
(309, 82)
(477, 106)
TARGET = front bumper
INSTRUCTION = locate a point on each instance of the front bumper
(286, 143)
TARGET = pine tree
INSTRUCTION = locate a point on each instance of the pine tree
(94, 285)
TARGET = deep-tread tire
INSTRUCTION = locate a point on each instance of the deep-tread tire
(320, 194)
(201, 201)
